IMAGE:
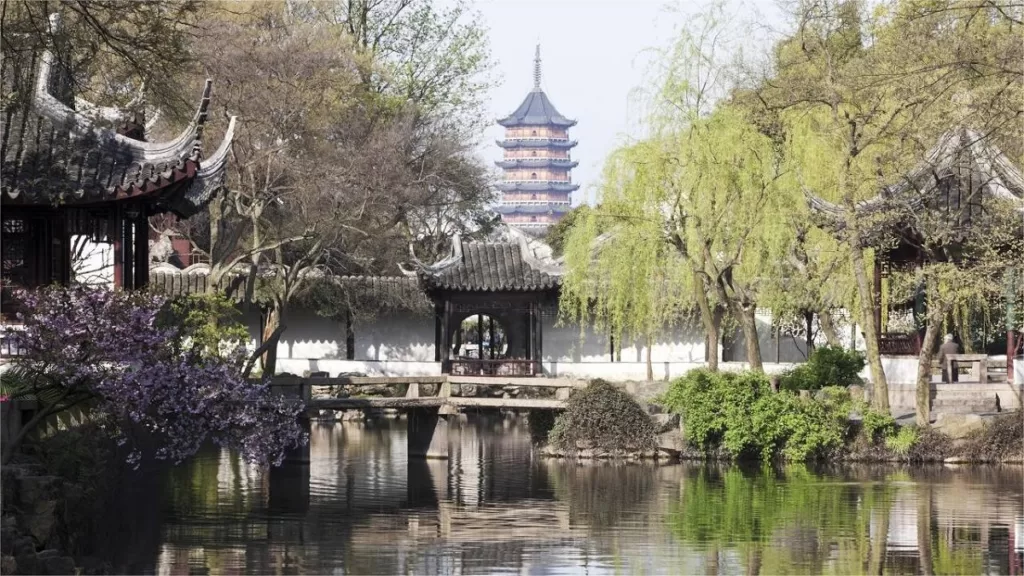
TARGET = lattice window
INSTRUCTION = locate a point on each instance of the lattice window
(14, 245)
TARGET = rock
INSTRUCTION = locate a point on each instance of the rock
(24, 545)
(26, 564)
(665, 422)
(328, 415)
(857, 392)
(57, 564)
(92, 565)
(956, 460)
(469, 390)
(352, 416)
(48, 553)
(958, 425)
(428, 389)
(42, 521)
(8, 565)
(671, 441)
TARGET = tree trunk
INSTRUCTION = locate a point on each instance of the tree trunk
(711, 319)
(923, 398)
(270, 355)
(828, 327)
(924, 527)
(748, 323)
(867, 296)
(650, 366)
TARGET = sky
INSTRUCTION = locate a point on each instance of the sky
(594, 54)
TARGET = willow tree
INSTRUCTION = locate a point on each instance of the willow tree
(862, 93)
(689, 209)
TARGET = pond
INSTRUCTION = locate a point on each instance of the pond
(361, 507)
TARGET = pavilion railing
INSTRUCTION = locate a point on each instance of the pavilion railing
(502, 367)
(893, 344)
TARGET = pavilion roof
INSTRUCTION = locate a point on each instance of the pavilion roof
(511, 262)
(53, 154)
(957, 176)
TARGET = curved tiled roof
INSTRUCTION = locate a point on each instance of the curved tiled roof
(173, 281)
(536, 110)
(512, 264)
(53, 154)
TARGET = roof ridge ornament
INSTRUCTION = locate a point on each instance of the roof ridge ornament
(536, 70)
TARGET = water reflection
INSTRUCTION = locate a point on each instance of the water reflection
(360, 506)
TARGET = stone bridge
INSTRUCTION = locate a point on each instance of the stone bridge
(427, 416)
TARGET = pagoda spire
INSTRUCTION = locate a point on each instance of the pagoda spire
(536, 70)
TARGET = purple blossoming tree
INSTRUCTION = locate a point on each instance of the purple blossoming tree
(106, 350)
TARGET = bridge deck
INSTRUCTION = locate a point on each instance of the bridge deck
(434, 402)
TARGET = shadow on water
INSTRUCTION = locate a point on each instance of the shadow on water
(361, 506)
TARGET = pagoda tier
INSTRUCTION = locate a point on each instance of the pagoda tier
(537, 163)
(537, 143)
(537, 187)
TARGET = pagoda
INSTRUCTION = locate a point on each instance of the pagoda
(536, 188)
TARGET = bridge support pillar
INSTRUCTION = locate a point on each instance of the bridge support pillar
(300, 455)
(428, 433)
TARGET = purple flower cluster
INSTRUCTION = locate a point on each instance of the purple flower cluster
(106, 347)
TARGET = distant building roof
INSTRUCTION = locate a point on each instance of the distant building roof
(537, 163)
(546, 208)
(536, 110)
(537, 186)
(536, 143)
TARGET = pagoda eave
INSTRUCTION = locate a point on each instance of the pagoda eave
(537, 186)
(562, 163)
(536, 143)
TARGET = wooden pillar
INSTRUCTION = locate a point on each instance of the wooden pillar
(540, 339)
(118, 236)
(141, 250)
(480, 336)
(490, 335)
(128, 251)
(438, 331)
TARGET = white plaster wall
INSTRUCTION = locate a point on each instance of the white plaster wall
(637, 371)
(406, 338)
(1018, 370)
(566, 343)
(787, 349)
(300, 366)
(95, 264)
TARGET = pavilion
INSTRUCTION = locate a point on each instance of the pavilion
(67, 173)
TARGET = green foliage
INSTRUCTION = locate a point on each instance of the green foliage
(541, 422)
(210, 323)
(877, 425)
(902, 441)
(603, 418)
(740, 413)
(827, 366)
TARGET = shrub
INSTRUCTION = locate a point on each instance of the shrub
(1000, 439)
(603, 418)
(877, 426)
(902, 441)
(740, 413)
(541, 422)
(827, 366)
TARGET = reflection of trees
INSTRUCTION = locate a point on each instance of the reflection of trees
(780, 522)
(600, 495)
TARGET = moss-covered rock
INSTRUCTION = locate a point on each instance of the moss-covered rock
(603, 419)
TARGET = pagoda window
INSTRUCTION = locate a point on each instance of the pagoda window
(533, 175)
(533, 153)
(533, 133)
(533, 197)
